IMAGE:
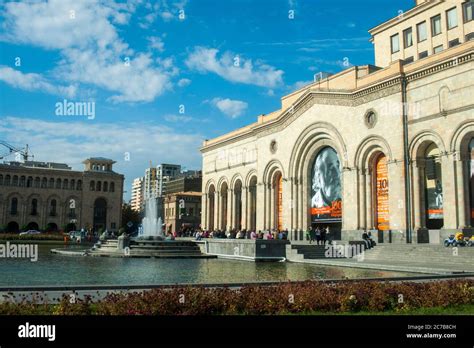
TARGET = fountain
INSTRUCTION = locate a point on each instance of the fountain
(150, 242)
(151, 223)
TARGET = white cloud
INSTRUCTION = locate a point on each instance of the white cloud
(184, 82)
(78, 140)
(167, 10)
(178, 118)
(156, 43)
(232, 108)
(204, 60)
(92, 52)
(33, 82)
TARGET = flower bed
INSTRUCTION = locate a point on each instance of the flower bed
(287, 298)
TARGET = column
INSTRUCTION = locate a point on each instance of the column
(362, 206)
(369, 219)
(244, 213)
(461, 192)
(416, 201)
(230, 209)
(272, 203)
(261, 207)
(204, 217)
(216, 210)
(422, 181)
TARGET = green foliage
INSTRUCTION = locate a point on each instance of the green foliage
(288, 298)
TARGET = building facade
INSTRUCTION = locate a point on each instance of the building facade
(386, 148)
(182, 211)
(185, 183)
(164, 174)
(51, 197)
(137, 197)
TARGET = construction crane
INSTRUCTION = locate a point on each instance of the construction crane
(13, 150)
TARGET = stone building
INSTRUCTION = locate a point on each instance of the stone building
(182, 210)
(386, 148)
(48, 196)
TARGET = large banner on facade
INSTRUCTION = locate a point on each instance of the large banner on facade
(434, 197)
(326, 195)
(381, 170)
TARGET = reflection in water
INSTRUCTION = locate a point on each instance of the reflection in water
(51, 269)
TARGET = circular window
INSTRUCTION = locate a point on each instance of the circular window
(370, 118)
(273, 146)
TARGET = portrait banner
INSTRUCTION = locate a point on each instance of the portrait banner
(326, 195)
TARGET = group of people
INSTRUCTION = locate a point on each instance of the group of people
(318, 234)
(242, 234)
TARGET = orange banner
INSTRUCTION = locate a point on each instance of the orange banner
(383, 217)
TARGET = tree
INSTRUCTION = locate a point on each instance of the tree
(129, 215)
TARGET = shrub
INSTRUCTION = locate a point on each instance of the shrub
(299, 297)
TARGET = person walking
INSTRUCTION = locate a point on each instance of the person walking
(318, 235)
(323, 236)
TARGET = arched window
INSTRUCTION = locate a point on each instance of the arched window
(34, 207)
(15, 180)
(29, 182)
(37, 182)
(14, 206)
(65, 184)
(22, 181)
(79, 185)
(98, 186)
(1, 179)
(44, 183)
(58, 183)
(92, 185)
(72, 186)
(106, 186)
(7, 181)
(112, 187)
(51, 183)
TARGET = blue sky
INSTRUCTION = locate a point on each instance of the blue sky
(164, 75)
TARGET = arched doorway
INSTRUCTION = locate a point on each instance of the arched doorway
(32, 226)
(211, 200)
(253, 204)
(326, 191)
(100, 214)
(13, 227)
(382, 216)
(278, 199)
(433, 186)
(238, 204)
(224, 206)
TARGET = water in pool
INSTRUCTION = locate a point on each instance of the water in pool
(52, 269)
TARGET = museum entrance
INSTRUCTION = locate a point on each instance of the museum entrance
(326, 192)
(433, 189)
